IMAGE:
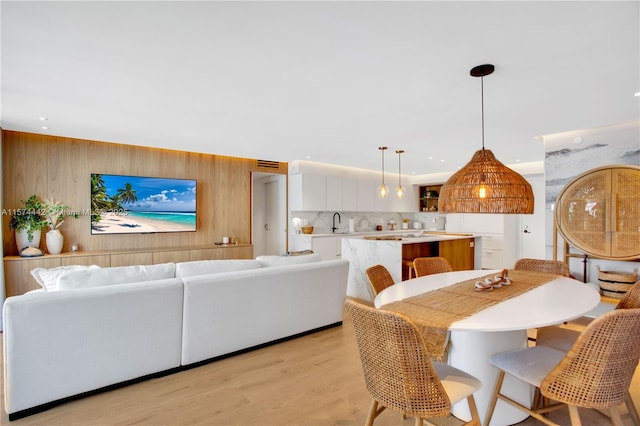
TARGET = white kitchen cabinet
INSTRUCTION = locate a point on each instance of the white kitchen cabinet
(366, 191)
(327, 247)
(307, 192)
(334, 193)
(349, 194)
(499, 236)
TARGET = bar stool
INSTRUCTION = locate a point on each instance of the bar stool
(409, 264)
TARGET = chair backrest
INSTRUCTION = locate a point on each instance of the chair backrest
(396, 365)
(540, 265)
(597, 370)
(431, 265)
(379, 279)
(631, 299)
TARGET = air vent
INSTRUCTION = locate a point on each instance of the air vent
(266, 164)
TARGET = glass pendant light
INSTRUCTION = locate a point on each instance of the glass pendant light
(399, 190)
(383, 188)
(485, 185)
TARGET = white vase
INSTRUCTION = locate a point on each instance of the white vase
(22, 239)
(54, 241)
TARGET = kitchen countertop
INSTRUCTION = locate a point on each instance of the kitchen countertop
(375, 233)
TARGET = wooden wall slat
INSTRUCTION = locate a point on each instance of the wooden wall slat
(45, 165)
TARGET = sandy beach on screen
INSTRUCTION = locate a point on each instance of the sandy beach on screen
(118, 223)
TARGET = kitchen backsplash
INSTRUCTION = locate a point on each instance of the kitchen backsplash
(364, 221)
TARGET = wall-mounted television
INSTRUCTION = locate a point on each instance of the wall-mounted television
(141, 204)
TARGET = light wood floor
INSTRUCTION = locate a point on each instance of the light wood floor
(313, 380)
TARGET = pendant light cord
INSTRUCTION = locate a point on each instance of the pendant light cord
(482, 107)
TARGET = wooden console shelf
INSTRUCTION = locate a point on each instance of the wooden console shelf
(17, 270)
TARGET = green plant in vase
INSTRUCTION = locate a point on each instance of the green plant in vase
(28, 223)
(55, 213)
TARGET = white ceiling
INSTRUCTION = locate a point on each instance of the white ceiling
(328, 80)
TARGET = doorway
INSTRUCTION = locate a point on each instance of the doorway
(269, 213)
(531, 227)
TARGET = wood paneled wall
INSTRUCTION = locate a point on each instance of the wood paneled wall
(49, 165)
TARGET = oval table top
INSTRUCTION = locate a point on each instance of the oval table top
(561, 299)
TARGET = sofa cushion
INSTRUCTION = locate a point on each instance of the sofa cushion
(115, 275)
(48, 278)
(204, 267)
(266, 261)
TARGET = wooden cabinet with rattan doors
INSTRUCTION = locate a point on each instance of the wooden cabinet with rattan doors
(598, 212)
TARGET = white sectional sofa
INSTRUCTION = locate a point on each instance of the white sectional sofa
(102, 327)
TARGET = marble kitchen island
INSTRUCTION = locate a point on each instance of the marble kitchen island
(394, 252)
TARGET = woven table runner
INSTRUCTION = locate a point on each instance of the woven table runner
(433, 312)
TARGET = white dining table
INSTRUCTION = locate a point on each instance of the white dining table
(499, 328)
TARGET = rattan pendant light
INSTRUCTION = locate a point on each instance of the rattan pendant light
(485, 185)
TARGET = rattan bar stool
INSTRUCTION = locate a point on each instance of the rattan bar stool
(379, 279)
(431, 265)
(398, 371)
(595, 373)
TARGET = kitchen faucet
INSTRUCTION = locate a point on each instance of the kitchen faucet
(333, 228)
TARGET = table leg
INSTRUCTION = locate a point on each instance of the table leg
(470, 352)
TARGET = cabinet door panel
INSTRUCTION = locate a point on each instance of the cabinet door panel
(349, 194)
(459, 253)
(17, 274)
(626, 213)
(366, 193)
(102, 260)
(582, 211)
(334, 193)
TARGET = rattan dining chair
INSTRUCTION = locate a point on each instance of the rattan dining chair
(563, 338)
(398, 371)
(542, 265)
(431, 265)
(595, 373)
(379, 279)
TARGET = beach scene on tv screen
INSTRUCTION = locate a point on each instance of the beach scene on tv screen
(139, 204)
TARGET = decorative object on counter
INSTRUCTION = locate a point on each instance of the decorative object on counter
(55, 213)
(417, 225)
(378, 227)
(74, 247)
(352, 226)
(405, 223)
(297, 223)
(485, 185)
(307, 229)
(31, 252)
(28, 223)
(392, 224)
(399, 189)
(225, 240)
(383, 188)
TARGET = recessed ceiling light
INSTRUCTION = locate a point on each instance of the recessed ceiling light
(637, 93)
(517, 160)
(42, 118)
(308, 157)
(442, 161)
(44, 128)
(430, 158)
